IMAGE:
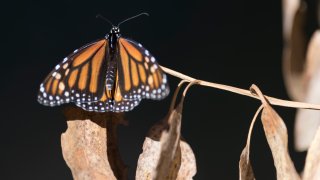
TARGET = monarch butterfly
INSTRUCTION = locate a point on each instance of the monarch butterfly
(109, 74)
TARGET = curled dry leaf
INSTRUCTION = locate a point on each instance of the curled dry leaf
(165, 155)
(86, 142)
(245, 168)
(312, 166)
(277, 137)
(308, 121)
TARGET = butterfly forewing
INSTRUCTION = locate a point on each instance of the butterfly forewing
(80, 77)
(140, 76)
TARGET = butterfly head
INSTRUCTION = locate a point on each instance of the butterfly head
(115, 30)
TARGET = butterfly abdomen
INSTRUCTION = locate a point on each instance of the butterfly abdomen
(111, 73)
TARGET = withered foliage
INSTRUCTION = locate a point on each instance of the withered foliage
(277, 138)
(90, 148)
(301, 66)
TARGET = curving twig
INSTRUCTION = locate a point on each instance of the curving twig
(272, 100)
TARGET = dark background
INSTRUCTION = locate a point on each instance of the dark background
(230, 42)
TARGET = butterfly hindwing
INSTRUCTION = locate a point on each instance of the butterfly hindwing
(140, 76)
(112, 100)
(80, 77)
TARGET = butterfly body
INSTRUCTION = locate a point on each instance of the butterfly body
(112, 38)
(110, 74)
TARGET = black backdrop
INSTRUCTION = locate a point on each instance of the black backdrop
(231, 42)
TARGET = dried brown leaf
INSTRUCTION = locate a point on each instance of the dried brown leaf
(277, 137)
(149, 159)
(313, 55)
(312, 166)
(300, 69)
(86, 142)
(188, 167)
(290, 7)
(295, 45)
(161, 156)
(165, 155)
(308, 121)
(245, 168)
(170, 155)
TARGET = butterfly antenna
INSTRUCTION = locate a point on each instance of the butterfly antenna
(144, 13)
(105, 19)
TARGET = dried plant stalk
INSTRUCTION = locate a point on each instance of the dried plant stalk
(272, 100)
(86, 142)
